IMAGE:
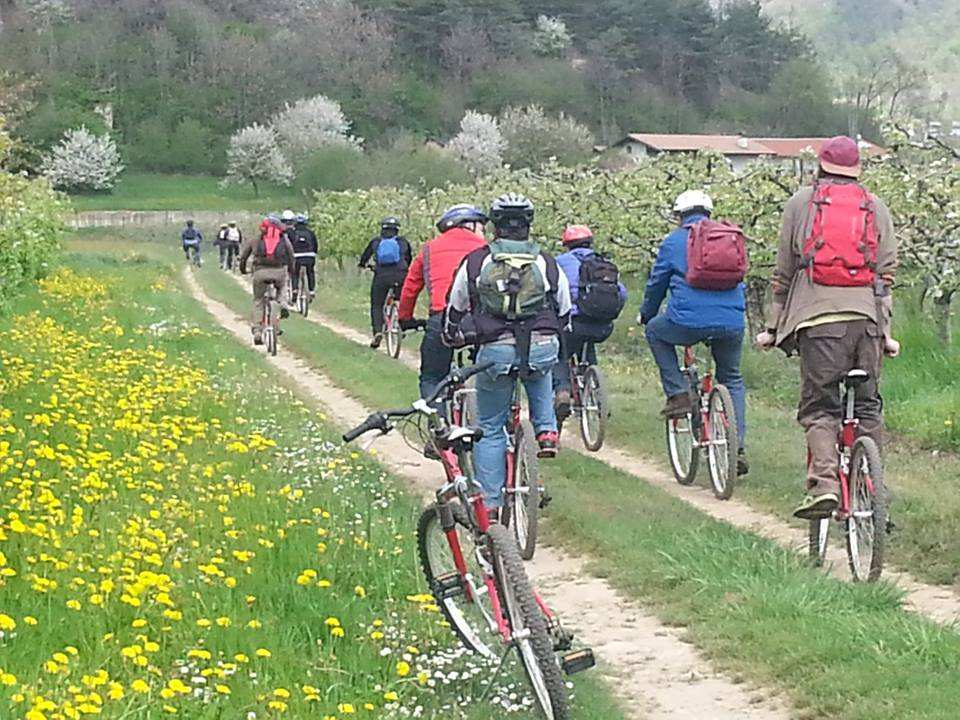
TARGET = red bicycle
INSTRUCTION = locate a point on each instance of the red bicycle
(588, 399)
(863, 504)
(473, 567)
(711, 425)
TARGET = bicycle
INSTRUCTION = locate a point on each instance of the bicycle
(711, 424)
(863, 505)
(270, 326)
(194, 255)
(391, 323)
(303, 292)
(523, 494)
(588, 399)
(473, 567)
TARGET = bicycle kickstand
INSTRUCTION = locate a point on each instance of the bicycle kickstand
(496, 672)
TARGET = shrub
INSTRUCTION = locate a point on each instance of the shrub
(332, 168)
(311, 124)
(254, 157)
(533, 138)
(83, 162)
(551, 36)
(479, 144)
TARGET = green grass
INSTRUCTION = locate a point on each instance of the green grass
(839, 650)
(146, 191)
(155, 481)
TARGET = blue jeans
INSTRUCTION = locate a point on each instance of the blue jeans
(494, 393)
(726, 345)
(435, 357)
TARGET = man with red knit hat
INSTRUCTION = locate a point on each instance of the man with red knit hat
(832, 304)
(597, 297)
(461, 232)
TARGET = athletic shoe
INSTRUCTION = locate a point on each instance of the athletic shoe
(548, 444)
(817, 507)
(377, 339)
(429, 452)
(677, 406)
(562, 404)
(284, 312)
(743, 467)
(258, 338)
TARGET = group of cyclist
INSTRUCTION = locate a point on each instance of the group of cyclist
(528, 313)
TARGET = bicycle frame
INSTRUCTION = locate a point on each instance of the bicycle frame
(577, 368)
(702, 388)
(845, 440)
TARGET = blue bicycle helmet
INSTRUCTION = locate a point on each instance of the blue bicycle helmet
(457, 215)
(302, 218)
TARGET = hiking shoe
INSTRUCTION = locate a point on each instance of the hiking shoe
(562, 404)
(284, 312)
(377, 339)
(677, 406)
(743, 467)
(258, 338)
(548, 444)
(817, 507)
(429, 452)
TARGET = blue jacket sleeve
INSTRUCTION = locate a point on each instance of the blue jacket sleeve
(657, 284)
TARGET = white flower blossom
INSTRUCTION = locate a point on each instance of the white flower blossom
(551, 36)
(479, 143)
(254, 156)
(313, 123)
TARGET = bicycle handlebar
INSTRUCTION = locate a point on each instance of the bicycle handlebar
(379, 420)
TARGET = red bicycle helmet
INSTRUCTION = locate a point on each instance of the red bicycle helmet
(576, 233)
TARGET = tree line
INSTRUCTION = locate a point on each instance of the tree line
(172, 79)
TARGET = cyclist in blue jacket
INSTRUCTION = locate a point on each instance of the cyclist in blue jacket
(693, 315)
(391, 255)
(592, 323)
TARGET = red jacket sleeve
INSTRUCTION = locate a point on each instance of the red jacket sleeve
(411, 288)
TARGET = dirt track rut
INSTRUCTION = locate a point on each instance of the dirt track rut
(650, 667)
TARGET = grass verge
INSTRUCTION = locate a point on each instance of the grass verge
(180, 536)
(839, 650)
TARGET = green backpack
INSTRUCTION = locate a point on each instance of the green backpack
(511, 286)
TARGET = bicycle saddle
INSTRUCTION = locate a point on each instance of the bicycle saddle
(856, 377)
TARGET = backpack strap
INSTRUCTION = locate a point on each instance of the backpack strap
(553, 279)
(475, 262)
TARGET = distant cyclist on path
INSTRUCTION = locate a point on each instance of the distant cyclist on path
(391, 255)
(304, 242)
(272, 264)
(190, 238)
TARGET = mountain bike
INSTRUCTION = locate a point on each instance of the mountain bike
(270, 325)
(863, 504)
(711, 425)
(303, 292)
(588, 399)
(391, 322)
(194, 253)
(473, 567)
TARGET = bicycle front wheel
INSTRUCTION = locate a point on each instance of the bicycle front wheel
(522, 501)
(867, 524)
(594, 409)
(817, 540)
(682, 448)
(528, 626)
(464, 601)
(723, 442)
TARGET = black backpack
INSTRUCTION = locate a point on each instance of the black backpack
(599, 297)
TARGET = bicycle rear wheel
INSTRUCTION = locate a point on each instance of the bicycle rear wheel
(867, 524)
(682, 449)
(723, 442)
(522, 502)
(817, 540)
(271, 329)
(391, 327)
(464, 603)
(529, 627)
(594, 409)
(303, 295)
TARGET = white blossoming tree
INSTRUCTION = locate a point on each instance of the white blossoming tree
(83, 162)
(254, 156)
(479, 143)
(532, 137)
(313, 123)
(551, 36)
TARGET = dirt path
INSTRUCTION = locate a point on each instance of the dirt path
(649, 666)
(940, 604)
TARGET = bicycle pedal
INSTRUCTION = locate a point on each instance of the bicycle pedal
(577, 661)
(447, 586)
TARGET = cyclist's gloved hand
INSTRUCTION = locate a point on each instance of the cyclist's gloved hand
(411, 324)
(766, 340)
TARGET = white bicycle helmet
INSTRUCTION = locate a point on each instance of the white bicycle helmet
(691, 200)
(287, 216)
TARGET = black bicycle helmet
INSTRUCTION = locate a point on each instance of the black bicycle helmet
(511, 209)
(457, 215)
(390, 222)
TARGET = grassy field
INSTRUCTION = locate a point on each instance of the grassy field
(145, 191)
(180, 536)
(754, 608)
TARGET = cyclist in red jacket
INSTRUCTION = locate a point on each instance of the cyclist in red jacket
(461, 232)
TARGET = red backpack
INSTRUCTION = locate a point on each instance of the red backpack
(716, 255)
(271, 240)
(841, 250)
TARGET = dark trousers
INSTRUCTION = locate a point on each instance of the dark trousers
(578, 342)
(435, 357)
(378, 294)
(827, 353)
(228, 252)
(310, 265)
